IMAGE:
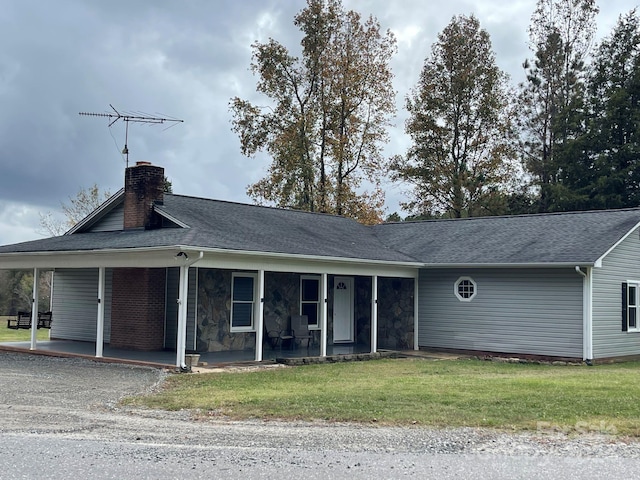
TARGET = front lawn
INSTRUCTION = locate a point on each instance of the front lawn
(603, 398)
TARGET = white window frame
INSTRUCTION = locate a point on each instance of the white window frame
(250, 328)
(312, 326)
(456, 286)
(635, 284)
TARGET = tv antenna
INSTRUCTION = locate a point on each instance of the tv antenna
(114, 117)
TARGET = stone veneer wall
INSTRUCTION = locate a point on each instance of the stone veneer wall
(395, 313)
(138, 308)
(362, 310)
(281, 300)
(214, 314)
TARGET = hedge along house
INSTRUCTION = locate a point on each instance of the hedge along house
(154, 271)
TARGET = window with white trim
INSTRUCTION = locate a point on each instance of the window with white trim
(465, 289)
(630, 305)
(242, 301)
(310, 299)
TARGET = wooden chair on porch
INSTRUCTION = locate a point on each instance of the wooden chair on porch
(300, 328)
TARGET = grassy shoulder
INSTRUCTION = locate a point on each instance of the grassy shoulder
(473, 393)
(22, 335)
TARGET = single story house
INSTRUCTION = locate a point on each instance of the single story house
(150, 271)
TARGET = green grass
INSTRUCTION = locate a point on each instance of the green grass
(9, 335)
(415, 391)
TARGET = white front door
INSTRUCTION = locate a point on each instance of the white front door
(343, 310)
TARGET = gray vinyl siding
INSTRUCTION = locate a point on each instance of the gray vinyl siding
(111, 222)
(526, 311)
(621, 265)
(171, 318)
(74, 304)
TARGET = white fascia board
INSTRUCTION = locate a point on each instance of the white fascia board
(213, 258)
(99, 212)
(432, 266)
(135, 258)
(280, 262)
(598, 263)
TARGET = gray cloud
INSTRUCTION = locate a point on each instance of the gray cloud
(181, 59)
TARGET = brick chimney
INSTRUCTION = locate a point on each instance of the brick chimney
(143, 186)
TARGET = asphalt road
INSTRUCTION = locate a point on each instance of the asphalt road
(60, 419)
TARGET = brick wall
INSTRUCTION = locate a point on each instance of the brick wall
(143, 186)
(138, 308)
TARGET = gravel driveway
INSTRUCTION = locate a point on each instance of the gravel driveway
(50, 405)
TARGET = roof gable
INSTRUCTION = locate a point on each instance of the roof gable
(100, 214)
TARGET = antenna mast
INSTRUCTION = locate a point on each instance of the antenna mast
(114, 117)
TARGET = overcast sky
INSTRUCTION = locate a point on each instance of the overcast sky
(183, 59)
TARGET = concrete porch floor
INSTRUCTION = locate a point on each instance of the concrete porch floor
(167, 358)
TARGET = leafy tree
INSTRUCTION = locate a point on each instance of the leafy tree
(459, 124)
(609, 152)
(552, 97)
(328, 113)
(16, 290)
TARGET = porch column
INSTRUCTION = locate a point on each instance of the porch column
(416, 323)
(587, 316)
(100, 320)
(183, 289)
(323, 315)
(374, 314)
(260, 316)
(34, 308)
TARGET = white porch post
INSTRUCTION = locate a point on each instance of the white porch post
(100, 319)
(34, 308)
(588, 315)
(260, 316)
(182, 316)
(323, 315)
(416, 323)
(374, 314)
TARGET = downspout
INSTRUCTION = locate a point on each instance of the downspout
(182, 309)
(587, 317)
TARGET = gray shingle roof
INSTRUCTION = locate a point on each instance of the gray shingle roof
(567, 238)
(235, 226)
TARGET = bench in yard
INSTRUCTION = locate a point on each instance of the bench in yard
(44, 320)
(22, 320)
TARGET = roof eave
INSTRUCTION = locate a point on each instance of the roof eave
(37, 257)
(579, 263)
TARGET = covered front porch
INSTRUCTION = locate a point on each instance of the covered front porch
(181, 301)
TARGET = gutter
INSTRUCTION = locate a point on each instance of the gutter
(587, 314)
